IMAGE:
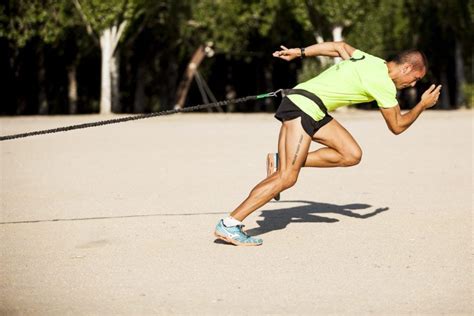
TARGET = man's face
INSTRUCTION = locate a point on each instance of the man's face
(408, 76)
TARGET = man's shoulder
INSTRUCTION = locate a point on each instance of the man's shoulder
(369, 66)
(364, 56)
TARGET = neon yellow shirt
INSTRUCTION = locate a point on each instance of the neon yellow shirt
(363, 78)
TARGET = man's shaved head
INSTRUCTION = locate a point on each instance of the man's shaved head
(413, 57)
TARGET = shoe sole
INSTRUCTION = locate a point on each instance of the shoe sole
(270, 170)
(233, 242)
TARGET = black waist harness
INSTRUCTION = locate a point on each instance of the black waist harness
(307, 94)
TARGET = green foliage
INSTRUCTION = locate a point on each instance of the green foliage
(468, 91)
(342, 12)
(229, 24)
(163, 28)
(384, 30)
(103, 14)
(22, 20)
(321, 16)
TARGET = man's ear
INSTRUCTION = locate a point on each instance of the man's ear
(406, 68)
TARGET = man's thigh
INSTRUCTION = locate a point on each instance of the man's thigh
(293, 145)
(335, 136)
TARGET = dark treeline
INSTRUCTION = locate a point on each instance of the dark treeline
(135, 56)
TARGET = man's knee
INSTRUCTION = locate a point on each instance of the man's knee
(352, 158)
(287, 180)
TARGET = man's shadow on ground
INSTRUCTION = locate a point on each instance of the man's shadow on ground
(309, 213)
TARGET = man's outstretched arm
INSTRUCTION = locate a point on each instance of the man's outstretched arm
(330, 49)
(398, 122)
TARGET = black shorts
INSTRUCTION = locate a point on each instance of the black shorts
(288, 111)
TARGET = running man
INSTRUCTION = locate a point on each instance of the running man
(359, 78)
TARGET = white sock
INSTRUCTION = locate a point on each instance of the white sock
(230, 222)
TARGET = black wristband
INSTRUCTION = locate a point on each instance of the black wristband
(302, 53)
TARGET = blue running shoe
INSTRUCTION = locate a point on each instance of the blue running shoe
(272, 167)
(235, 235)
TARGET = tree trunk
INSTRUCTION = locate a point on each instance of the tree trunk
(72, 89)
(460, 78)
(337, 37)
(105, 84)
(268, 75)
(167, 84)
(185, 83)
(109, 39)
(115, 82)
(15, 65)
(444, 99)
(43, 107)
(139, 99)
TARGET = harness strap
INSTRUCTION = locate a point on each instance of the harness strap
(307, 94)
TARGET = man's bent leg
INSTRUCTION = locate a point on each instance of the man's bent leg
(293, 146)
(342, 150)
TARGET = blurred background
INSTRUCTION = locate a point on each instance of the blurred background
(138, 56)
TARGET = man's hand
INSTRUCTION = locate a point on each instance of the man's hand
(287, 54)
(430, 96)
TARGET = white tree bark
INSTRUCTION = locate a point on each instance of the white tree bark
(109, 39)
(337, 37)
(322, 59)
(105, 83)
